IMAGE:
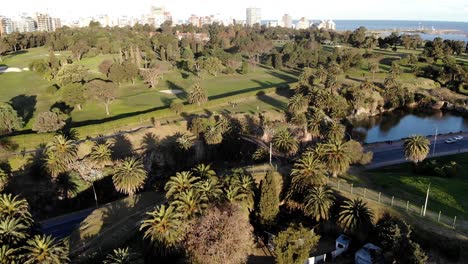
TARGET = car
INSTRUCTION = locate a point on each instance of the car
(450, 140)
(458, 137)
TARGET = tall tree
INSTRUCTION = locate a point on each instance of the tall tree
(102, 91)
(129, 176)
(308, 171)
(337, 157)
(355, 216)
(49, 121)
(60, 154)
(9, 119)
(153, 75)
(182, 181)
(318, 202)
(71, 73)
(298, 104)
(293, 245)
(268, 205)
(211, 238)
(197, 95)
(373, 68)
(78, 49)
(164, 227)
(285, 142)
(416, 148)
(73, 95)
(44, 249)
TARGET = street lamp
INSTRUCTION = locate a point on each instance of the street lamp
(435, 141)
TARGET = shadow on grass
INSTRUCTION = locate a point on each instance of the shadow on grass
(25, 105)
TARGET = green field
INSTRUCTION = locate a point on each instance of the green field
(448, 195)
(132, 99)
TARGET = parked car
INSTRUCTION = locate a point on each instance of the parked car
(458, 137)
(450, 140)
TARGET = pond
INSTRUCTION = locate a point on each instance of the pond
(403, 123)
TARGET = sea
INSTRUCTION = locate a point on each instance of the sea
(399, 25)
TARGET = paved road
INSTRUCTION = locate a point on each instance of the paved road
(62, 226)
(389, 154)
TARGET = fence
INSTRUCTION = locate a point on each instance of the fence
(415, 208)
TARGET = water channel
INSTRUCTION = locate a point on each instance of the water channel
(403, 123)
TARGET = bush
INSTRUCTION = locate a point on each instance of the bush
(435, 168)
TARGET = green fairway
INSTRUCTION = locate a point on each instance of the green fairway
(448, 195)
(132, 98)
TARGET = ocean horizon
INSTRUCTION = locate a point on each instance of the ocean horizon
(399, 25)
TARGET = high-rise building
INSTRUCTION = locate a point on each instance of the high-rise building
(24, 24)
(44, 22)
(327, 24)
(158, 16)
(254, 16)
(56, 23)
(303, 23)
(194, 20)
(286, 21)
(6, 26)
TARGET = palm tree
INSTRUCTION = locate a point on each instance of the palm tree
(298, 104)
(8, 255)
(318, 202)
(190, 203)
(185, 142)
(321, 73)
(213, 135)
(164, 226)
(60, 154)
(331, 82)
(416, 148)
(355, 215)
(210, 189)
(179, 183)
(3, 180)
(129, 176)
(197, 95)
(120, 256)
(12, 231)
(44, 249)
(307, 172)
(101, 154)
(337, 157)
(335, 131)
(235, 194)
(13, 206)
(314, 123)
(204, 171)
(285, 142)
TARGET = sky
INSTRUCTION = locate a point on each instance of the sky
(439, 10)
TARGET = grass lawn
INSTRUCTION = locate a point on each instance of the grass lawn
(448, 195)
(132, 99)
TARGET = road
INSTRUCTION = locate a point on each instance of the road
(62, 226)
(389, 154)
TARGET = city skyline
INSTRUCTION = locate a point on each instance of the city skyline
(451, 10)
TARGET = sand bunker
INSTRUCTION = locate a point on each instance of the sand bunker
(174, 91)
(6, 69)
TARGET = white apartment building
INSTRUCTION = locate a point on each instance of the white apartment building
(253, 16)
(303, 23)
(327, 24)
(286, 21)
